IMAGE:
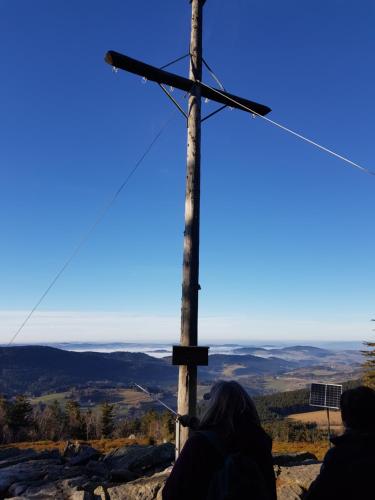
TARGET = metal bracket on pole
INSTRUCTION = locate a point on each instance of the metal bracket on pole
(168, 94)
(213, 113)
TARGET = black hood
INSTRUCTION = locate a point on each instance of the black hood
(247, 437)
(351, 436)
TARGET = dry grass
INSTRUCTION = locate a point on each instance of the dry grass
(37, 445)
(127, 397)
(103, 445)
(319, 449)
(106, 445)
(229, 370)
(283, 383)
(132, 397)
(319, 418)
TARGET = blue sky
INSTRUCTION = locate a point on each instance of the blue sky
(287, 233)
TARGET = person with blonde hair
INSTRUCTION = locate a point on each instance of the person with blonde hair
(229, 454)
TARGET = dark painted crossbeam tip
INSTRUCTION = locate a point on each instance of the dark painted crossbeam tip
(157, 75)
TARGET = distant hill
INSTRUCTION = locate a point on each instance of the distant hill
(304, 355)
(37, 369)
(296, 352)
(244, 365)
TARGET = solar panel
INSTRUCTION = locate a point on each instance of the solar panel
(325, 395)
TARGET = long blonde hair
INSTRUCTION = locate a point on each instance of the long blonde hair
(228, 403)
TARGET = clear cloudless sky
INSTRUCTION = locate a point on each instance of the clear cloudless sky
(287, 231)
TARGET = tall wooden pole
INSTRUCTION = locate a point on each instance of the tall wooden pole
(188, 355)
(187, 380)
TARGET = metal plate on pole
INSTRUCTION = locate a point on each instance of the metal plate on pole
(190, 355)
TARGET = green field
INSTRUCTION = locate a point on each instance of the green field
(61, 397)
(123, 398)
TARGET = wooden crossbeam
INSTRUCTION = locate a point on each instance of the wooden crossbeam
(160, 76)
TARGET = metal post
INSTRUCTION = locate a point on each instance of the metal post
(329, 428)
(178, 433)
(187, 381)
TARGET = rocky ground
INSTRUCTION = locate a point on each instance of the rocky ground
(132, 472)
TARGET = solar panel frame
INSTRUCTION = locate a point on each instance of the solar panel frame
(325, 395)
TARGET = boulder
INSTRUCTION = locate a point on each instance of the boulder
(81, 495)
(140, 460)
(27, 472)
(6, 453)
(145, 488)
(43, 490)
(140, 471)
(100, 493)
(97, 468)
(292, 482)
(290, 459)
(79, 454)
(53, 478)
(8, 459)
(123, 475)
(57, 490)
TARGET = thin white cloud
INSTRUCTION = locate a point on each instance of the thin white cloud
(73, 326)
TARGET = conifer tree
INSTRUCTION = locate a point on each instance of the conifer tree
(75, 421)
(369, 364)
(107, 419)
(4, 420)
(19, 416)
(52, 423)
(168, 423)
(90, 425)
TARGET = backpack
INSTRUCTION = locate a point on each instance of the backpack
(238, 478)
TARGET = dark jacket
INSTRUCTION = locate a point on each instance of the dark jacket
(348, 469)
(199, 460)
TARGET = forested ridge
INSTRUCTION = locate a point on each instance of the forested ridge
(36, 370)
(274, 409)
(20, 420)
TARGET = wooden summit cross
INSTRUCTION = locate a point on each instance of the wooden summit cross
(188, 355)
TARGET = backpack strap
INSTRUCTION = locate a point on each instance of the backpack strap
(213, 438)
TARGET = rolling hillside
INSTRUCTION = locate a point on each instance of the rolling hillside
(36, 369)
